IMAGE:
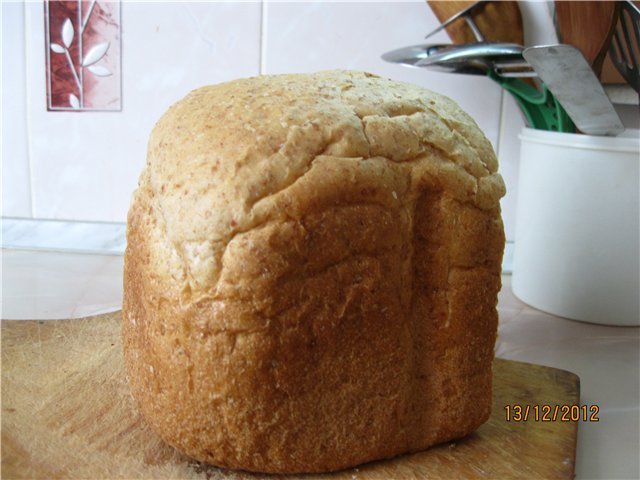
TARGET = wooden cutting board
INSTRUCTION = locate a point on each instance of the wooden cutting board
(67, 413)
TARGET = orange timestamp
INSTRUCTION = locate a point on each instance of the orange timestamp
(552, 413)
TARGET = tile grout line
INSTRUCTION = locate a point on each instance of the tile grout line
(507, 257)
(27, 105)
(501, 126)
(86, 237)
(107, 232)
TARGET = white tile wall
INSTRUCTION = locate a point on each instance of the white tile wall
(84, 166)
(509, 157)
(16, 185)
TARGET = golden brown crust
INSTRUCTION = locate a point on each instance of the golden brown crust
(311, 273)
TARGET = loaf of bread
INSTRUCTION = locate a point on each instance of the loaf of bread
(311, 273)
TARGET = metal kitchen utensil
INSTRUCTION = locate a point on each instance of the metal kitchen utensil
(474, 59)
(494, 21)
(505, 59)
(504, 64)
(587, 25)
(411, 55)
(625, 47)
(568, 75)
(466, 14)
(501, 64)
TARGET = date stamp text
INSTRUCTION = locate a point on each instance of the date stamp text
(552, 413)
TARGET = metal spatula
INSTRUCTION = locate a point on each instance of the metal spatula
(570, 78)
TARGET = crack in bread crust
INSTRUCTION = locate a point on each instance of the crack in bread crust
(311, 273)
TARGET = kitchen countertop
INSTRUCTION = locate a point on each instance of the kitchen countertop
(49, 285)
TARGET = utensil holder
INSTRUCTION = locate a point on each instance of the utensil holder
(577, 233)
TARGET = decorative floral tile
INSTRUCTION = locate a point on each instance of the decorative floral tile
(85, 167)
(82, 42)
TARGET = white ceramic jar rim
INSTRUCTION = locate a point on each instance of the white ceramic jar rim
(628, 141)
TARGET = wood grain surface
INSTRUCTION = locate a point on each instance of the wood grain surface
(498, 21)
(589, 27)
(67, 413)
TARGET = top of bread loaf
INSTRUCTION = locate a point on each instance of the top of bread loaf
(228, 158)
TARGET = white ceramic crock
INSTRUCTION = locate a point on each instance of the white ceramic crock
(576, 243)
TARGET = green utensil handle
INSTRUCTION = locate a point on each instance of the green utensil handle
(540, 108)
